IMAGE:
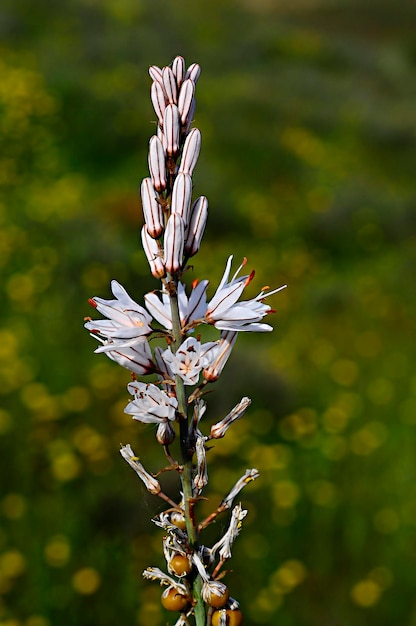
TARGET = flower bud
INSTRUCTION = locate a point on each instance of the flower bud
(156, 160)
(186, 96)
(196, 226)
(171, 129)
(153, 254)
(178, 69)
(193, 72)
(169, 85)
(155, 73)
(182, 196)
(157, 96)
(165, 434)
(190, 152)
(174, 242)
(152, 211)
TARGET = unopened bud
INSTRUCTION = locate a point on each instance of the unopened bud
(171, 129)
(174, 242)
(190, 152)
(157, 167)
(165, 433)
(196, 226)
(155, 73)
(178, 69)
(152, 210)
(186, 96)
(158, 98)
(193, 72)
(169, 85)
(182, 196)
(153, 254)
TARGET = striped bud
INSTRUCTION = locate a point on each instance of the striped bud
(171, 129)
(157, 96)
(178, 69)
(153, 254)
(186, 96)
(169, 85)
(152, 211)
(193, 72)
(155, 73)
(182, 196)
(174, 242)
(196, 226)
(157, 167)
(190, 116)
(190, 152)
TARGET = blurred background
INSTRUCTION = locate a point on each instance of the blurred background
(307, 111)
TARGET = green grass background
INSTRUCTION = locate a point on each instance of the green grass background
(307, 111)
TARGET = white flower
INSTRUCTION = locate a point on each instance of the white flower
(136, 359)
(150, 404)
(190, 309)
(189, 359)
(127, 322)
(225, 313)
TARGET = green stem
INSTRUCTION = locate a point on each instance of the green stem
(187, 450)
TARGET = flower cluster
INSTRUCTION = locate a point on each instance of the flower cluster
(159, 340)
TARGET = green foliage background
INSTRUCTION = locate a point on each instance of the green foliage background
(307, 111)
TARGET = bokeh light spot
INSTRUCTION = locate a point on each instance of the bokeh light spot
(86, 581)
(57, 551)
(12, 563)
(366, 593)
(344, 372)
(386, 521)
(13, 505)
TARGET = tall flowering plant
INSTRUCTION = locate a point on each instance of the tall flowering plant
(181, 365)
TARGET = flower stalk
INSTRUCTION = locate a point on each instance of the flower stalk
(172, 233)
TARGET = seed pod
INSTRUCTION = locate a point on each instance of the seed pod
(178, 519)
(178, 69)
(190, 152)
(193, 72)
(215, 593)
(182, 196)
(227, 617)
(171, 129)
(156, 161)
(172, 600)
(153, 254)
(158, 98)
(174, 242)
(197, 222)
(180, 565)
(169, 85)
(152, 211)
(186, 96)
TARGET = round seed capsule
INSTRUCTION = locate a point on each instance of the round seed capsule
(233, 618)
(180, 565)
(173, 601)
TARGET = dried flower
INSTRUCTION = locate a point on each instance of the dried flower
(151, 484)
